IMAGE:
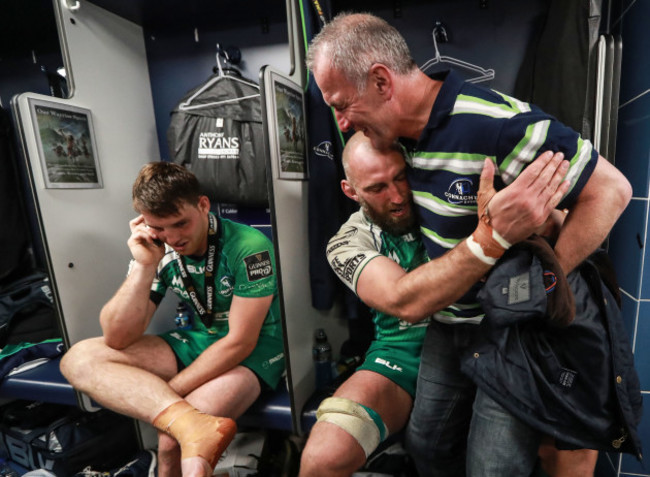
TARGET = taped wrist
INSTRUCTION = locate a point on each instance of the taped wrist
(198, 434)
(486, 243)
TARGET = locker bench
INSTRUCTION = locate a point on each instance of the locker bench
(46, 383)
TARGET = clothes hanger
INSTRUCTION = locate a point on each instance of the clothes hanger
(482, 73)
(188, 106)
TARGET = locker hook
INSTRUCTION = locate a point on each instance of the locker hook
(440, 32)
(219, 52)
(72, 6)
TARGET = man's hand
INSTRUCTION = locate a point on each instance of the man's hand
(143, 243)
(521, 208)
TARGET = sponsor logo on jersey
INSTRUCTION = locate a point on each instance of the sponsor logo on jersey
(178, 337)
(182, 292)
(272, 360)
(222, 316)
(324, 149)
(336, 245)
(226, 286)
(258, 266)
(388, 364)
(460, 192)
(409, 237)
(405, 325)
(351, 232)
(347, 269)
(177, 282)
(195, 270)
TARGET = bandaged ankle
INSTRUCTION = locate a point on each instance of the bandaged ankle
(486, 243)
(198, 434)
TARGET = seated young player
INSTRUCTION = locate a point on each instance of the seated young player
(189, 383)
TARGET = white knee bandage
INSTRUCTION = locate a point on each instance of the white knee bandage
(360, 422)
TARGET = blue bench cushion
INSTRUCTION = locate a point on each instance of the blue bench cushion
(46, 383)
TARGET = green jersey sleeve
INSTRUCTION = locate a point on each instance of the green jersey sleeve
(251, 260)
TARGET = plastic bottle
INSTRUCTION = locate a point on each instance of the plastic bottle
(183, 318)
(322, 355)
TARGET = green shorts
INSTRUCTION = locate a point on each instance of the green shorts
(399, 361)
(266, 360)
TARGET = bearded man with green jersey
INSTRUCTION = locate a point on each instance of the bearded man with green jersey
(379, 255)
(190, 384)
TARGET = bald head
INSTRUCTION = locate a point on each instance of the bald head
(359, 153)
(377, 180)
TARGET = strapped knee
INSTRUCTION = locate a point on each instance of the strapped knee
(361, 422)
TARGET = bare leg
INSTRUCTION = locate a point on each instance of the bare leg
(331, 451)
(169, 456)
(133, 381)
(237, 390)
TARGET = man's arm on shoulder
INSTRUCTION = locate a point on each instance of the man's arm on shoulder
(247, 314)
(589, 221)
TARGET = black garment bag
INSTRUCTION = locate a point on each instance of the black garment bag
(216, 132)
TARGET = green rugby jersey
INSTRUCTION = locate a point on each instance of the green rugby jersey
(245, 267)
(356, 243)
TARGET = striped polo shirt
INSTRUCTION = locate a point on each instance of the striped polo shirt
(467, 124)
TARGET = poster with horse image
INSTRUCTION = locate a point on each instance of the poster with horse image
(66, 145)
(286, 115)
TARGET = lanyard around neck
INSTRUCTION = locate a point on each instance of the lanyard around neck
(204, 309)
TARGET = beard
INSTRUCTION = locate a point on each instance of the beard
(393, 225)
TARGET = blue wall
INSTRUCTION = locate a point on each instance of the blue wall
(628, 239)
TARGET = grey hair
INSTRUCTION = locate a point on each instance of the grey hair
(356, 41)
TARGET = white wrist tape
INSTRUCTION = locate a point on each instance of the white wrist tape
(500, 240)
(477, 250)
(486, 244)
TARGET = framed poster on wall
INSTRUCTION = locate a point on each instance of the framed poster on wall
(66, 145)
(284, 108)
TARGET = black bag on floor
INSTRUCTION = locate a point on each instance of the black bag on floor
(64, 440)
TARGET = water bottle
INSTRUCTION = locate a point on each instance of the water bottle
(322, 355)
(183, 318)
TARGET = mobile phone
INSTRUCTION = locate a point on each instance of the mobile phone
(158, 242)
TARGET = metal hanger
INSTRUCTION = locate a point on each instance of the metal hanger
(482, 74)
(188, 106)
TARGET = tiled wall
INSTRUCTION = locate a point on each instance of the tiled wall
(629, 237)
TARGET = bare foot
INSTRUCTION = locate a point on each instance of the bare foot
(196, 467)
